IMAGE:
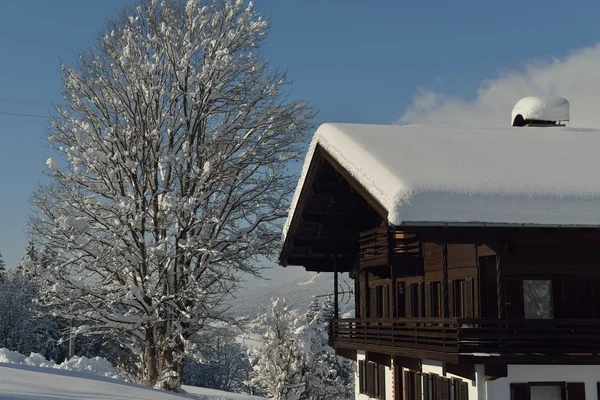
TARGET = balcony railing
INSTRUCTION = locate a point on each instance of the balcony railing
(380, 245)
(455, 340)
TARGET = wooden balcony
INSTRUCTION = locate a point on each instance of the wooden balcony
(468, 341)
(380, 246)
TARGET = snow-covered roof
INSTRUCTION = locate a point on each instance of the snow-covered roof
(542, 108)
(445, 175)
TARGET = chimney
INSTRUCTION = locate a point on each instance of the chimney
(540, 111)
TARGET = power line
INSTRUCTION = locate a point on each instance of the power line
(25, 115)
(26, 102)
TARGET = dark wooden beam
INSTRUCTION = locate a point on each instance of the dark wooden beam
(494, 235)
(414, 364)
(346, 353)
(379, 358)
(495, 371)
(335, 290)
(463, 370)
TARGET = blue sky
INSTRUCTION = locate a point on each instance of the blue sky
(356, 61)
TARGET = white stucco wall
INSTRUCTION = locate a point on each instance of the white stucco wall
(499, 389)
(360, 355)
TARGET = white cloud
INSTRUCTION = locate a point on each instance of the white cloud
(575, 77)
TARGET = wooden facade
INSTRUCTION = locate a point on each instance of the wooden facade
(462, 295)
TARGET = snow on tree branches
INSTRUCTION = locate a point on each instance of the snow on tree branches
(177, 134)
(295, 361)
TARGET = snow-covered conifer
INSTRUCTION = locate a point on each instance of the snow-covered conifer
(2, 268)
(176, 134)
(295, 361)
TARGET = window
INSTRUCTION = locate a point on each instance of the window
(543, 392)
(537, 299)
(371, 379)
(414, 304)
(401, 300)
(412, 386)
(379, 301)
(547, 391)
(437, 387)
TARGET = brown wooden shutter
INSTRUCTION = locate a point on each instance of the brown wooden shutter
(463, 390)
(407, 385)
(519, 391)
(370, 382)
(421, 306)
(451, 299)
(386, 301)
(438, 390)
(446, 388)
(409, 299)
(514, 298)
(373, 302)
(575, 391)
(418, 388)
(469, 309)
(381, 381)
(361, 376)
(425, 386)
(428, 300)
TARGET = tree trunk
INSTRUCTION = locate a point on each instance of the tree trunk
(171, 366)
(149, 364)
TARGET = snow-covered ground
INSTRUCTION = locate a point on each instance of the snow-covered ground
(34, 378)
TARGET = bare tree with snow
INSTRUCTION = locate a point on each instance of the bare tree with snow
(176, 135)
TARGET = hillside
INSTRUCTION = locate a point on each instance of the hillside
(22, 382)
(293, 283)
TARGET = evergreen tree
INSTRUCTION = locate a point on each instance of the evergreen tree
(2, 268)
(295, 361)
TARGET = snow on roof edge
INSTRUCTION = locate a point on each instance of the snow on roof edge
(324, 136)
(564, 206)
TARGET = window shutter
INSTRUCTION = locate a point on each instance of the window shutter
(463, 391)
(514, 298)
(437, 381)
(409, 299)
(421, 306)
(386, 301)
(425, 387)
(451, 299)
(445, 388)
(361, 376)
(575, 391)
(373, 300)
(469, 312)
(428, 311)
(519, 391)
(418, 388)
(370, 383)
(406, 385)
(381, 381)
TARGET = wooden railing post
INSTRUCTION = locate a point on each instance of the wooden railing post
(500, 287)
(446, 310)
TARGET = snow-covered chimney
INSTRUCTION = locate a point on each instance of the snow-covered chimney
(540, 111)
